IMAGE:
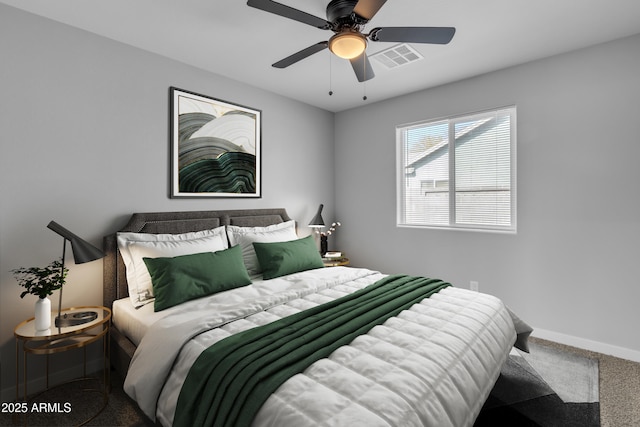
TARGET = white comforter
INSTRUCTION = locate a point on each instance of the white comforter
(433, 365)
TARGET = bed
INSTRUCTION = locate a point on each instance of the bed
(432, 363)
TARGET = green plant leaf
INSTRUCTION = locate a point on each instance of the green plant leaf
(41, 281)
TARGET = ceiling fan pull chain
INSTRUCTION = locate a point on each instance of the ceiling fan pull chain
(330, 75)
(364, 83)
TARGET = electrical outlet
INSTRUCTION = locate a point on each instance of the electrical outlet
(473, 285)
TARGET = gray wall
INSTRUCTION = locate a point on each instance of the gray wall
(84, 142)
(572, 270)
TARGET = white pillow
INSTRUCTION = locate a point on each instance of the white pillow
(245, 236)
(135, 246)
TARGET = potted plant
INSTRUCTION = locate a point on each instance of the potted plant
(41, 281)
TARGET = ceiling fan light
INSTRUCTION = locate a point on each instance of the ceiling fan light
(348, 45)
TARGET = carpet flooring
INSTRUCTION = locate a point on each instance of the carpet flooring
(546, 387)
(619, 387)
(618, 393)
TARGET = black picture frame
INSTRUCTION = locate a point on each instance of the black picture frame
(215, 147)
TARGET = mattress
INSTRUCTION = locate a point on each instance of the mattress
(432, 365)
(134, 322)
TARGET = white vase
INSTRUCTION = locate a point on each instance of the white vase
(43, 314)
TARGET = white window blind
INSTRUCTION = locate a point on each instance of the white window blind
(458, 172)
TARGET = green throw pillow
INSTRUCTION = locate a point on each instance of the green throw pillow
(281, 258)
(186, 277)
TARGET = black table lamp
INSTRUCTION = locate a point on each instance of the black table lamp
(83, 251)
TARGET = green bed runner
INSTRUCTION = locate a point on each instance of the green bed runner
(230, 380)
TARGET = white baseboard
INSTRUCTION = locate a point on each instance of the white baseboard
(35, 385)
(586, 344)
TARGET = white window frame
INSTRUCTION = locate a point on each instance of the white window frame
(401, 160)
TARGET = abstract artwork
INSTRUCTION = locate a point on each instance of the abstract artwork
(215, 147)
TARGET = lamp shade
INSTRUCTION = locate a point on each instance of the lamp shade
(83, 251)
(317, 221)
(348, 44)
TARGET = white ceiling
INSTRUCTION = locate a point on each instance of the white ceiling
(232, 39)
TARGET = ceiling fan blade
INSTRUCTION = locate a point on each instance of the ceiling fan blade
(368, 8)
(362, 67)
(299, 56)
(289, 12)
(435, 35)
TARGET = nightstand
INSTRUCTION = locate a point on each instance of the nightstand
(335, 261)
(62, 339)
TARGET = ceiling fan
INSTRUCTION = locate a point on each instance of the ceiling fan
(346, 18)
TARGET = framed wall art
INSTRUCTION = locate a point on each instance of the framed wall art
(215, 147)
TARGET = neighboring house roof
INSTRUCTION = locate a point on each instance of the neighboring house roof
(442, 144)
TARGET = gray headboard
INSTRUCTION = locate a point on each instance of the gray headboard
(115, 278)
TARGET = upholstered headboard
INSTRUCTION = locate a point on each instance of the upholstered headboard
(115, 278)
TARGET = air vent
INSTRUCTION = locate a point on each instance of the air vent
(397, 56)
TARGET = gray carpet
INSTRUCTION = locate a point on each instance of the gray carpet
(619, 387)
(573, 377)
(547, 387)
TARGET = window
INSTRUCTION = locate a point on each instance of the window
(467, 184)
